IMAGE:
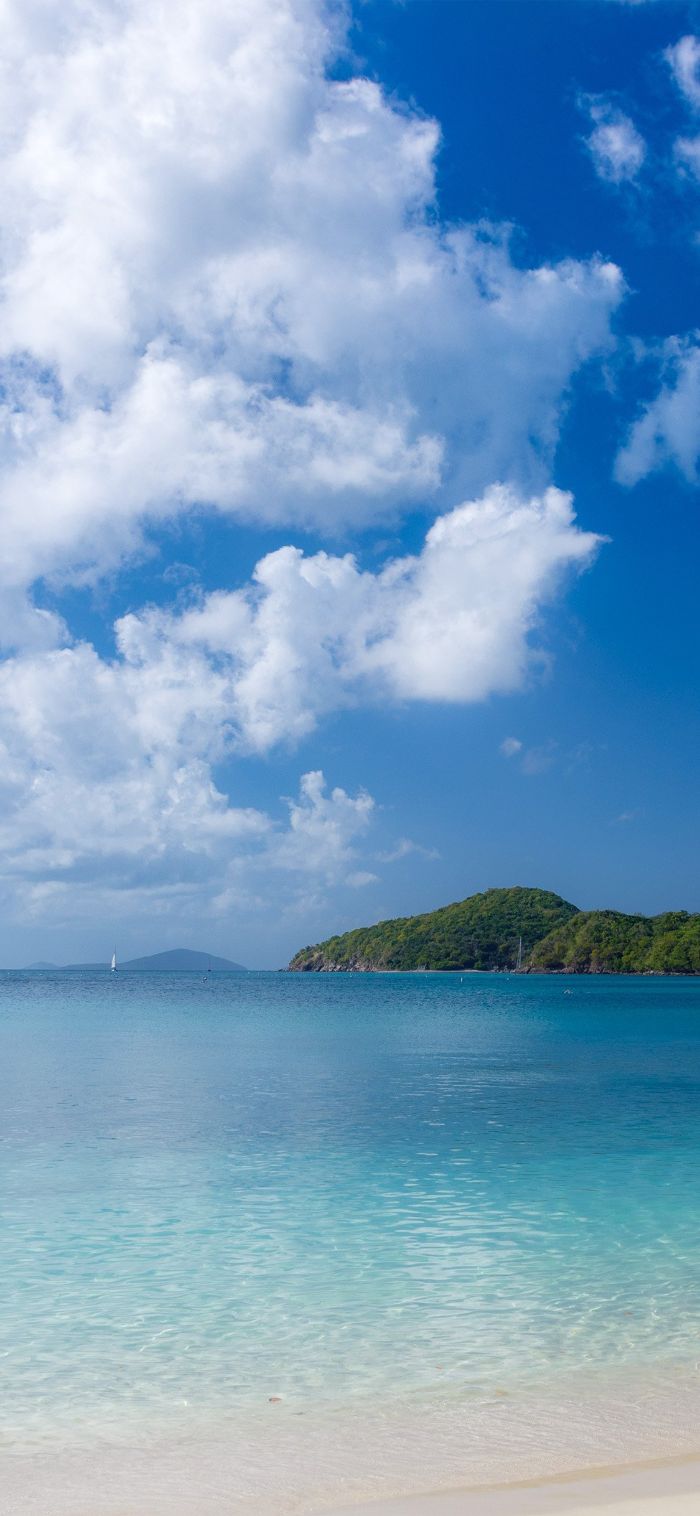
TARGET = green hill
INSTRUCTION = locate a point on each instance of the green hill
(479, 933)
(483, 933)
(608, 942)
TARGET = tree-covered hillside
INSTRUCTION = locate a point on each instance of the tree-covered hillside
(483, 933)
(479, 933)
(608, 942)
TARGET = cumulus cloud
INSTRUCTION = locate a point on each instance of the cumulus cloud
(102, 803)
(668, 430)
(687, 154)
(225, 287)
(223, 284)
(321, 828)
(510, 747)
(108, 765)
(684, 60)
(107, 762)
(616, 147)
(312, 634)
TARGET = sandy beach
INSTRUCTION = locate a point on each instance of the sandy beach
(659, 1489)
(664, 1488)
(327, 1467)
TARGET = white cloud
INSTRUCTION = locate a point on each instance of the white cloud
(684, 59)
(223, 285)
(108, 765)
(616, 147)
(321, 828)
(312, 634)
(687, 151)
(668, 430)
(107, 806)
(105, 761)
(406, 848)
(511, 746)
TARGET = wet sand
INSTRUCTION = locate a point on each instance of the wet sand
(659, 1489)
(668, 1487)
(619, 1448)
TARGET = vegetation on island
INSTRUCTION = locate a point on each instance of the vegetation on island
(609, 942)
(484, 932)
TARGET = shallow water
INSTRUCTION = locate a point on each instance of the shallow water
(424, 1193)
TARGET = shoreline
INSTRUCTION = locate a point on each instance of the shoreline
(655, 1487)
(563, 1455)
(659, 1487)
(508, 973)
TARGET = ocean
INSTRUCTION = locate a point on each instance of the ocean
(284, 1240)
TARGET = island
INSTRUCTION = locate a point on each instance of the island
(514, 930)
(174, 960)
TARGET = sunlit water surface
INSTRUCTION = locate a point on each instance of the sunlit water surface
(399, 1196)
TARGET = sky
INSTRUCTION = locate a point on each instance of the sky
(349, 458)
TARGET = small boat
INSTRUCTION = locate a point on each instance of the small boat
(114, 962)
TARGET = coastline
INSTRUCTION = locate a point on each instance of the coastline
(633, 1450)
(662, 1487)
(525, 973)
(658, 1487)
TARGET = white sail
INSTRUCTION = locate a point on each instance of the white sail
(114, 961)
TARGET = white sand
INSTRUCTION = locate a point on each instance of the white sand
(660, 1489)
(507, 1456)
(669, 1489)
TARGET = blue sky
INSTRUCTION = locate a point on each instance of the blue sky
(349, 465)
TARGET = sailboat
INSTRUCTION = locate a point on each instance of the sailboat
(519, 963)
(114, 962)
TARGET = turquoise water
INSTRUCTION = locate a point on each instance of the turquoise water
(340, 1191)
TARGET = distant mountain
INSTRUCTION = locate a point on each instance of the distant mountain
(41, 964)
(171, 961)
(484, 931)
(182, 958)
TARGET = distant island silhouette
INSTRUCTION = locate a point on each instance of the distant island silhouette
(172, 960)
